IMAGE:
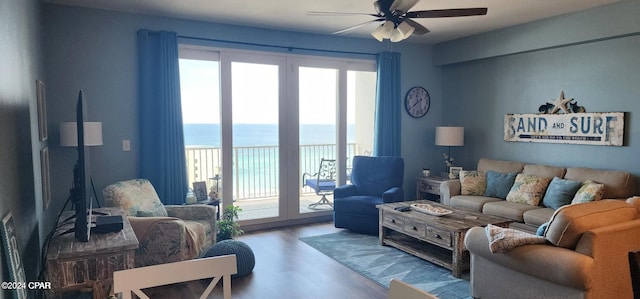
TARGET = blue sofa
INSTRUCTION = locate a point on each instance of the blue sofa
(374, 180)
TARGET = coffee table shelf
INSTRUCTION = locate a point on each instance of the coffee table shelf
(437, 239)
(437, 255)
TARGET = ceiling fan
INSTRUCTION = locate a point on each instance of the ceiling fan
(396, 19)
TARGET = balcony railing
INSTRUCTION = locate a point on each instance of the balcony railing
(255, 168)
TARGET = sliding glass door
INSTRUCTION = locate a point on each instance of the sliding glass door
(335, 119)
(257, 91)
(265, 122)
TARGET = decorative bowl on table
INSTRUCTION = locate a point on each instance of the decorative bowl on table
(430, 209)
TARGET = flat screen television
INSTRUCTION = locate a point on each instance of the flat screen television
(81, 192)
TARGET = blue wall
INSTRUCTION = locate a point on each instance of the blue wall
(95, 50)
(593, 56)
(20, 180)
(473, 82)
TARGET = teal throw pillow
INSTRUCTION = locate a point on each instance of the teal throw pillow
(560, 192)
(499, 184)
(542, 228)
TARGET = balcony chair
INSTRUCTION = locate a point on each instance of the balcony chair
(322, 182)
(166, 233)
(374, 180)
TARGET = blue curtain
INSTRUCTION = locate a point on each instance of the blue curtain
(387, 120)
(162, 154)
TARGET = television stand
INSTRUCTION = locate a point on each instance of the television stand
(80, 266)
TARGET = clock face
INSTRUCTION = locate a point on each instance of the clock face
(417, 102)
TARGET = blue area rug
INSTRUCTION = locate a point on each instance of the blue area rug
(364, 255)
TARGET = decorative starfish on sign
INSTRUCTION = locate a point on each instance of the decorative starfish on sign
(561, 103)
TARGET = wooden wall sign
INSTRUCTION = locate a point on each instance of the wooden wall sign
(600, 128)
(605, 128)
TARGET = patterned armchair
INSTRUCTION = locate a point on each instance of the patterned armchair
(168, 233)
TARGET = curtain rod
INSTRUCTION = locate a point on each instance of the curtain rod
(274, 46)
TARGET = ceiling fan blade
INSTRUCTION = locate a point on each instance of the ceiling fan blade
(403, 5)
(357, 26)
(380, 6)
(419, 29)
(330, 13)
(445, 13)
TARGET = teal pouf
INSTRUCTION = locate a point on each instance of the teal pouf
(244, 255)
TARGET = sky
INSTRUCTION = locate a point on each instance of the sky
(255, 93)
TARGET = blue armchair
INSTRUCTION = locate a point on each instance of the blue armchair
(374, 180)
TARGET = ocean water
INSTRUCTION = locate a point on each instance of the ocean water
(260, 134)
(256, 173)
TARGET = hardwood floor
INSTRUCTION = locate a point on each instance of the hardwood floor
(288, 268)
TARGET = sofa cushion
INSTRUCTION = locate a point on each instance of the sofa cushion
(471, 202)
(544, 170)
(618, 184)
(499, 166)
(537, 217)
(560, 192)
(528, 189)
(569, 222)
(507, 209)
(472, 182)
(589, 191)
(499, 184)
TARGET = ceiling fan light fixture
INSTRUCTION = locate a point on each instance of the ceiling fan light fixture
(378, 33)
(396, 36)
(387, 29)
(405, 30)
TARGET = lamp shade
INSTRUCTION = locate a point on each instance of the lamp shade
(450, 136)
(383, 31)
(92, 134)
(396, 36)
(378, 33)
(405, 29)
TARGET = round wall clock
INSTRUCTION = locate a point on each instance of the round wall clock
(417, 102)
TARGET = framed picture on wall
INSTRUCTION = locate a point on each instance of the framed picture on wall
(16, 279)
(200, 189)
(42, 110)
(454, 172)
(46, 181)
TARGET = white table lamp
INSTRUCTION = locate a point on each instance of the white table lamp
(449, 136)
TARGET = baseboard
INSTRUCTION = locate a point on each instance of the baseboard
(309, 220)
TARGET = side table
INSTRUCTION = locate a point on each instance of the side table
(77, 266)
(429, 187)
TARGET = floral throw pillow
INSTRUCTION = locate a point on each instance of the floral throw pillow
(473, 182)
(590, 191)
(504, 239)
(528, 189)
(136, 197)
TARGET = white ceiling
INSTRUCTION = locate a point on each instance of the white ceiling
(291, 15)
